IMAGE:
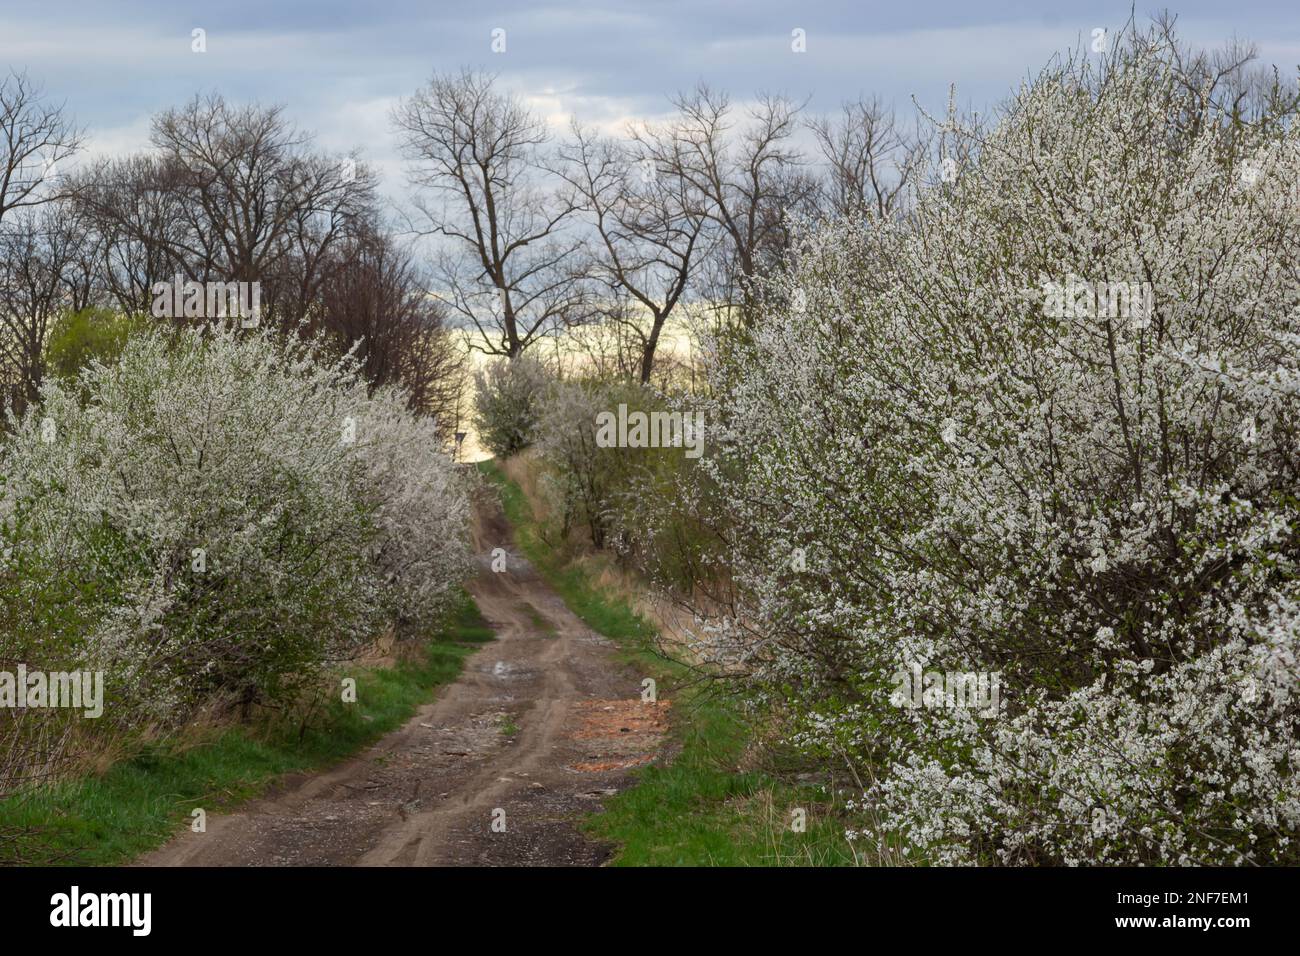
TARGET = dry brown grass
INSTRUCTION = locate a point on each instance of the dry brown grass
(525, 470)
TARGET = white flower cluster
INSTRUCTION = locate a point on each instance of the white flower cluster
(1105, 512)
(219, 514)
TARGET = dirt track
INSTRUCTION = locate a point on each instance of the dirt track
(542, 724)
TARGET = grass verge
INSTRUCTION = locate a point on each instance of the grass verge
(139, 803)
(701, 809)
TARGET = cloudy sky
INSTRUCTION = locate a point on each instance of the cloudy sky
(339, 65)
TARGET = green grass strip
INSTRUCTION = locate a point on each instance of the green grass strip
(141, 802)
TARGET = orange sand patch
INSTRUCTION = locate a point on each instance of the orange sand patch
(615, 718)
(622, 733)
(598, 766)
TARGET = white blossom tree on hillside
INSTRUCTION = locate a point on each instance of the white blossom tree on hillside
(1047, 428)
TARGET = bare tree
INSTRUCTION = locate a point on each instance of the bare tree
(608, 350)
(34, 138)
(40, 250)
(138, 226)
(375, 303)
(256, 202)
(649, 227)
(35, 250)
(750, 178)
(869, 160)
(506, 263)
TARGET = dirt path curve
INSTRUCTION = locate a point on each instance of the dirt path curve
(542, 724)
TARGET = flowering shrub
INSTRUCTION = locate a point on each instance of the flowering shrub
(581, 478)
(217, 516)
(644, 501)
(507, 402)
(930, 462)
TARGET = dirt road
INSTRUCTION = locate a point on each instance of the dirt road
(542, 724)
